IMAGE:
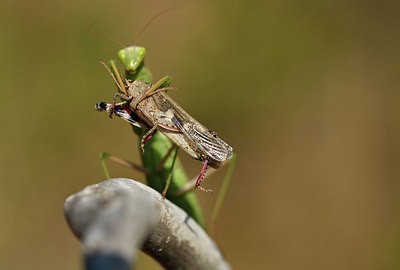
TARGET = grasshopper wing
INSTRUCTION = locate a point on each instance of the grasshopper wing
(215, 150)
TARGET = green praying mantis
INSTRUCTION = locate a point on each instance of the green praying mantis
(163, 168)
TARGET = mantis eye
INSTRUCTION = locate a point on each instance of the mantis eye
(131, 57)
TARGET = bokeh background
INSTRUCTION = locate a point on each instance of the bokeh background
(307, 93)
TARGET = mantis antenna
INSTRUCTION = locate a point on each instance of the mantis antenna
(104, 37)
(140, 33)
(151, 20)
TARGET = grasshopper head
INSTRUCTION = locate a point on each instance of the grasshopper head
(123, 112)
(131, 57)
(101, 106)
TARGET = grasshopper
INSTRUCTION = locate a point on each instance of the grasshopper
(158, 148)
(160, 112)
(159, 166)
(126, 113)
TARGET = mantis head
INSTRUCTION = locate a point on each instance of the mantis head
(131, 57)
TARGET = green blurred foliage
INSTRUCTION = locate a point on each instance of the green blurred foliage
(307, 93)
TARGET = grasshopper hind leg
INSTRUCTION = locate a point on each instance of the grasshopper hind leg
(201, 176)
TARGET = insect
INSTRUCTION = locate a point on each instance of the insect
(149, 104)
(158, 148)
(161, 167)
(128, 115)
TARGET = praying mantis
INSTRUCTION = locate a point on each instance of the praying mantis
(158, 149)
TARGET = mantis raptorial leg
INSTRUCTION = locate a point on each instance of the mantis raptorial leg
(156, 158)
(231, 163)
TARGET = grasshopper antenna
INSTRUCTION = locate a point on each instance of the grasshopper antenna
(151, 20)
(104, 37)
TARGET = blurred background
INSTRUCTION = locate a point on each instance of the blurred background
(307, 93)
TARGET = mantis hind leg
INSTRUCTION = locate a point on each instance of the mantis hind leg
(167, 183)
(120, 161)
(224, 188)
(196, 181)
(221, 196)
(130, 165)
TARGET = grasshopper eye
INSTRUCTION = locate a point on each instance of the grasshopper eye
(100, 106)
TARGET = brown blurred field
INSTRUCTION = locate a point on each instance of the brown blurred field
(307, 93)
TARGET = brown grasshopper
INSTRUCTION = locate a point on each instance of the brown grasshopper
(147, 106)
